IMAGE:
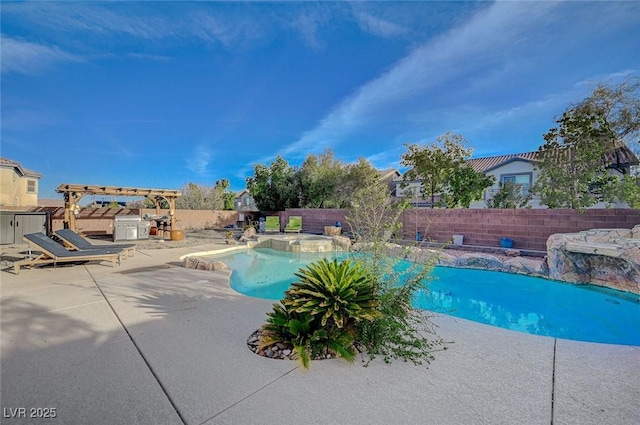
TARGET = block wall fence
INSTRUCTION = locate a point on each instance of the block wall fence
(529, 228)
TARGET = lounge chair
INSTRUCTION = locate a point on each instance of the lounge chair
(76, 242)
(53, 253)
(272, 224)
(294, 225)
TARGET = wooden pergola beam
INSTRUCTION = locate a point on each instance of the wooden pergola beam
(116, 191)
(74, 192)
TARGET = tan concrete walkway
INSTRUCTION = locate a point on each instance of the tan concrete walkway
(150, 342)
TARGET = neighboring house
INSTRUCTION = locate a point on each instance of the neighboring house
(246, 207)
(519, 168)
(244, 202)
(18, 185)
(390, 176)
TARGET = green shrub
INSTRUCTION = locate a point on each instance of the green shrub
(399, 273)
(338, 293)
(318, 314)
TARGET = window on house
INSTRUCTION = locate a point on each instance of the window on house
(524, 180)
(31, 186)
(246, 201)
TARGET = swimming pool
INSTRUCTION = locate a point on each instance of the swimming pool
(521, 303)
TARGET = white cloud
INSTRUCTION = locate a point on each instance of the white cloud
(92, 18)
(145, 56)
(31, 58)
(199, 160)
(377, 26)
(426, 67)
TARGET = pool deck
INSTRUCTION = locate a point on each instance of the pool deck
(151, 342)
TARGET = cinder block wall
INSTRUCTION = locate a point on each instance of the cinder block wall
(529, 228)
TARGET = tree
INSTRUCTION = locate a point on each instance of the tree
(465, 186)
(574, 170)
(200, 197)
(356, 176)
(443, 171)
(226, 197)
(276, 187)
(319, 177)
(620, 107)
(509, 196)
(629, 190)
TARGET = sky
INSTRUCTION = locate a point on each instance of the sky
(161, 94)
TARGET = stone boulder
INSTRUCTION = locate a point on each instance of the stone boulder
(445, 259)
(343, 242)
(479, 261)
(202, 263)
(527, 266)
(604, 257)
(248, 234)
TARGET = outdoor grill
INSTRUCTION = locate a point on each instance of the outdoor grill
(130, 227)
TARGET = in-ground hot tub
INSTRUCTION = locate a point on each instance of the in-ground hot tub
(298, 243)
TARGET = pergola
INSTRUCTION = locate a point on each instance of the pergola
(74, 192)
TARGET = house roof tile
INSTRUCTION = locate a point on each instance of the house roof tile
(490, 162)
(622, 153)
(4, 162)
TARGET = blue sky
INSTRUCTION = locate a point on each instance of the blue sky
(159, 94)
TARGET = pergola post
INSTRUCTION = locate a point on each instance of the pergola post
(172, 212)
(70, 207)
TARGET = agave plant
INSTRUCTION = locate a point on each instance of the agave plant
(337, 293)
(301, 332)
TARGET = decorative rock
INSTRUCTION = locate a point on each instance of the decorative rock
(526, 266)
(479, 261)
(605, 257)
(343, 242)
(512, 253)
(445, 259)
(250, 233)
(200, 263)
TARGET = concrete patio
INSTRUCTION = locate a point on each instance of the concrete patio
(150, 342)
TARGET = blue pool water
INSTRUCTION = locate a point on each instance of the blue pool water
(527, 304)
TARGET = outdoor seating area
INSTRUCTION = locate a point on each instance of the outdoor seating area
(52, 252)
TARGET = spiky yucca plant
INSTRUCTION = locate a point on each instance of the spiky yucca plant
(340, 294)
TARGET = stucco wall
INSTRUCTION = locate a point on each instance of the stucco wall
(200, 219)
(13, 189)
